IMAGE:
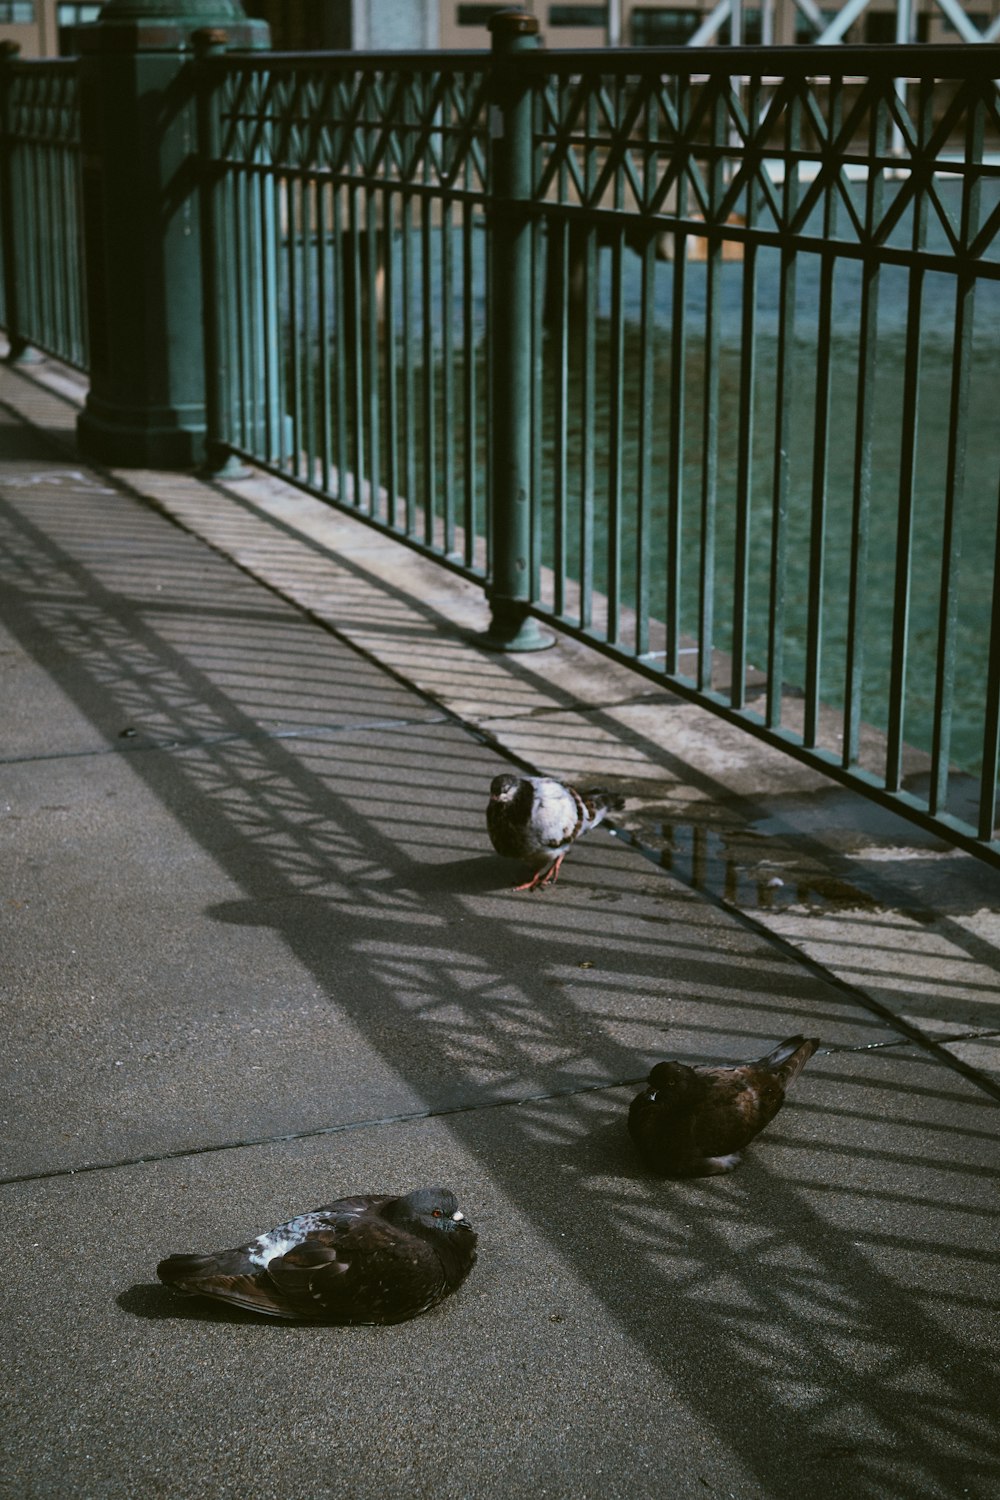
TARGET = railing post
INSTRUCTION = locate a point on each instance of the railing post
(211, 41)
(142, 232)
(512, 627)
(20, 351)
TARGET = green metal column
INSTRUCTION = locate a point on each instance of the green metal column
(146, 405)
(512, 628)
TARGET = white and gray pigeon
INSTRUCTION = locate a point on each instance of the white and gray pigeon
(695, 1122)
(537, 819)
(374, 1259)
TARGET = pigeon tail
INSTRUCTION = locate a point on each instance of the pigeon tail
(788, 1060)
(602, 800)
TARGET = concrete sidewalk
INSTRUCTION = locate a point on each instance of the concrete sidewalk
(258, 954)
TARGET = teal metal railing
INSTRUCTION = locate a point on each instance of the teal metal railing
(690, 353)
(41, 273)
(742, 422)
(346, 203)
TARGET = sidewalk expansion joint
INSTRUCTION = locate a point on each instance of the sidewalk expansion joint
(263, 736)
(251, 1143)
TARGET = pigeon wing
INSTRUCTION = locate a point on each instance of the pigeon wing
(557, 815)
(362, 1271)
(739, 1103)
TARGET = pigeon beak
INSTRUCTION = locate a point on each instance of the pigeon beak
(458, 1214)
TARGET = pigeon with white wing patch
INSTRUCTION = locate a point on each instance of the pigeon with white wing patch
(537, 819)
(375, 1259)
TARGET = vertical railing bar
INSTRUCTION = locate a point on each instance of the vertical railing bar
(371, 301)
(44, 223)
(991, 729)
(356, 352)
(558, 274)
(52, 234)
(709, 464)
(266, 274)
(864, 425)
(710, 422)
(73, 217)
(408, 231)
(61, 231)
(954, 490)
(616, 402)
(391, 374)
(252, 318)
(427, 382)
(447, 376)
(745, 430)
(470, 423)
(278, 293)
(310, 341)
(951, 541)
(29, 265)
(677, 416)
(536, 409)
(229, 321)
(644, 477)
(904, 535)
(818, 503)
(907, 488)
(338, 267)
(321, 198)
(784, 382)
(295, 341)
(588, 386)
(616, 413)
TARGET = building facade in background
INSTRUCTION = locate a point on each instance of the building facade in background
(41, 27)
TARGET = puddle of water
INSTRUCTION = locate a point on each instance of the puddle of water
(754, 871)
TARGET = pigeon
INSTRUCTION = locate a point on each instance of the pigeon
(536, 818)
(374, 1259)
(695, 1122)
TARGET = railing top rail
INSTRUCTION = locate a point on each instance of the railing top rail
(43, 64)
(886, 60)
(396, 62)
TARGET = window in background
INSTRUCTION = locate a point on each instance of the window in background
(578, 15)
(663, 26)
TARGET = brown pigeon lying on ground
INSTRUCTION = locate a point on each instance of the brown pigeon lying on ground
(694, 1122)
(536, 818)
(358, 1260)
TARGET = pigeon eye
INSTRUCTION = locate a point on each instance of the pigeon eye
(436, 1213)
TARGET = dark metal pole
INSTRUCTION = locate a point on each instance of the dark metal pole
(20, 351)
(512, 627)
(147, 400)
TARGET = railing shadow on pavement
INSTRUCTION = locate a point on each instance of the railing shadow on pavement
(796, 1290)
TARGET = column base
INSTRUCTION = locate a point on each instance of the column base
(512, 628)
(145, 444)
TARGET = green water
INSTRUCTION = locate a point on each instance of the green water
(976, 512)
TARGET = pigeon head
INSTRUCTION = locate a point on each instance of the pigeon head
(504, 788)
(673, 1078)
(431, 1208)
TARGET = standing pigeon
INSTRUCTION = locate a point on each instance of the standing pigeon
(375, 1259)
(694, 1122)
(536, 818)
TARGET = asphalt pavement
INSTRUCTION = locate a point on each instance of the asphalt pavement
(257, 953)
